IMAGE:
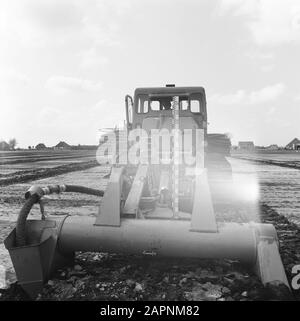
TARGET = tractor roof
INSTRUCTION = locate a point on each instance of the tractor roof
(171, 90)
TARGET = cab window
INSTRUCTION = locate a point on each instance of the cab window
(196, 103)
(184, 104)
(195, 106)
(143, 105)
(155, 105)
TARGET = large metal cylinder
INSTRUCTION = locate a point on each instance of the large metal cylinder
(160, 237)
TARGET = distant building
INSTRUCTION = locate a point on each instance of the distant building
(246, 146)
(272, 147)
(62, 145)
(40, 146)
(294, 144)
(4, 145)
(84, 147)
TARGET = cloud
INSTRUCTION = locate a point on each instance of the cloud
(12, 77)
(49, 117)
(264, 59)
(40, 23)
(62, 85)
(271, 111)
(112, 118)
(91, 59)
(266, 94)
(228, 99)
(54, 14)
(268, 67)
(36, 23)
(260, 55)
(271, 22)
(238, 7)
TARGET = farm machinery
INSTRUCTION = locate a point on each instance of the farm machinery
(167, 174)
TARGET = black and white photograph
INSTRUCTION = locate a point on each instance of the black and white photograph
(149, 153)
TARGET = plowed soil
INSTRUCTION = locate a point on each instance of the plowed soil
(103, 276)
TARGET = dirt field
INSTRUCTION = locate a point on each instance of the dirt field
(30, 165)
(279, 186)
(282, 158)
(106, 277)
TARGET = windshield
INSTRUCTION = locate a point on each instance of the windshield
(152, 103)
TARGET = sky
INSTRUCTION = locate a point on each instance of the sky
(66, 65)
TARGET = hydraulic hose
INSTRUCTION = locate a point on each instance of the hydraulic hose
(21, 222)
(34, 195)
(84, 190)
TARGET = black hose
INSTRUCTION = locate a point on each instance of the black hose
(31, 199)
(84, 190)
(21, 222)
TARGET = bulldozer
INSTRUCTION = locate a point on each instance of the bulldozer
(167, 175)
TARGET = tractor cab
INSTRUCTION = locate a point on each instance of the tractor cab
(152, 107)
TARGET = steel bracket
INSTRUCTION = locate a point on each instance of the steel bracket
(110, 208)
(203, 217)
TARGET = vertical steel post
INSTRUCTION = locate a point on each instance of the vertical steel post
(176, 155)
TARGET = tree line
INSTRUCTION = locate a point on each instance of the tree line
(10, 145)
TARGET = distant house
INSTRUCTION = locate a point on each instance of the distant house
(4, 145)
(246, 146)
(84, 147)
(294, 144)
(272, 147)
(62, 145)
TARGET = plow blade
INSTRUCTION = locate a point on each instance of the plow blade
(269, 266)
